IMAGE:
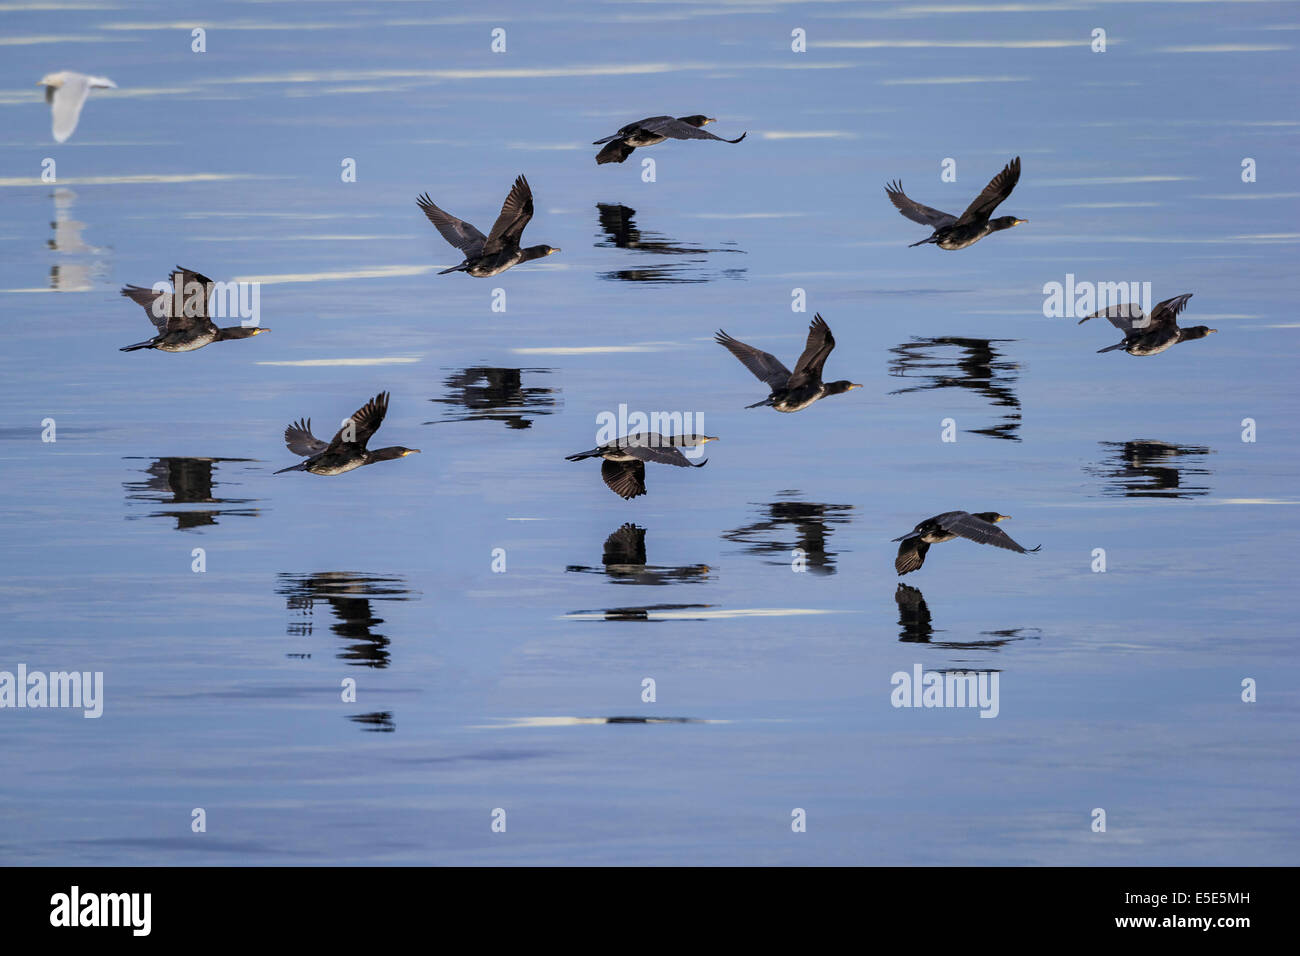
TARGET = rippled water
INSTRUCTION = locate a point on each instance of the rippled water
(522, 690)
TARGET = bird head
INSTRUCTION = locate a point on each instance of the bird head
(1198, 332)
(835, 388)
(52, 79)
(1006, 222)
(992, 517)
(698, 120)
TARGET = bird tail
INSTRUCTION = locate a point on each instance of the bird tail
(138, 345)
(301, 466)
(460, 268)
(583, 454)
(767, 401)
(1111, 348)
(921, 243)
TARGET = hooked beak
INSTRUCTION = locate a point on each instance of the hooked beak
(1020, 222)
(259, 331)
(1004, 517)
(710, 119)
(553, 252)
(854, 385)
(1214, 330)
(410, 451)
(708, 438)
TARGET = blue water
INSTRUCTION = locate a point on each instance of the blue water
(1118, 690)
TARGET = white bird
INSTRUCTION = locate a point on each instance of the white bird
(66, 93)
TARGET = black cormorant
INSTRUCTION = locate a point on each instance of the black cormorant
(348, 449)
(192, 328)
(958, 232)
(791, 391)
(623, 469)
(1149, 335)
(653, 130)
(980, 527)
(495, 253)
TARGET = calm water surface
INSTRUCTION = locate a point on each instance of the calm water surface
(478, 690)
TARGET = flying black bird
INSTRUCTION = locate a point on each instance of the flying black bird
(191, 328)
(496, 252)
(1149, 335)
(958, 232)
(791, 391)
(980, 527)
(623, 469)
(348, 449)
(653, 130)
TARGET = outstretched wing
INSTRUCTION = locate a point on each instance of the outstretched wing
(765, 366)
(911, 555)
(1167, 311)
(456, 231)
(625, 478)
(815, 351)
(656, 448)
(914, 211)
(1124, 317)
(998, 189)
(977, 529)
(364, 422)
(624, 130)
(299, 439)
(516, 211)
(675, 129)
(158, 311)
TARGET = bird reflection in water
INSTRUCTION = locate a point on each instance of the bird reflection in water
(1144, 468)
(785, 526)
(621, 232)
(349, 596)
(977, 366)
(916, 627)
(72, 276)
(496, 395)
(650, 613)
(186, 481)
(624, 560)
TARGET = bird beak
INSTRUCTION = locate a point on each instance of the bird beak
(1020, 222)
(1004, 517)
(1214, 330)
(553, 252)
(708, 438)
(710, 119)
(260, 331)
(410, 451)
(853, 386)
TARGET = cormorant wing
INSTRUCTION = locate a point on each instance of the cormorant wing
(1167, 311)
(998, 189)
(147, 298)
(365, 422)
(765, 366)
(630, 127)
(663, 454)
(458, 232)
(911, 555)
(1123, 317)
(815, 351)
(968, 526)
(625, 478)
(299, 439)
(914, 211)
(675, 129)
(188, 278)
(515, 213)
